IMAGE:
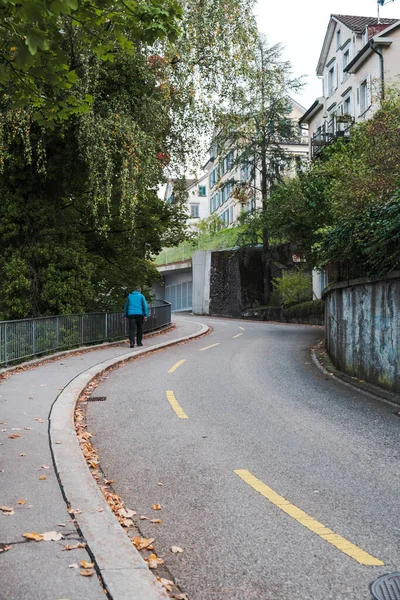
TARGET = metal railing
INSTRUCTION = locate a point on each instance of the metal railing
(337, 127)
(26, 338)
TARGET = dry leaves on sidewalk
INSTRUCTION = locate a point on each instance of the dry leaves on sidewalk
(86, 565)
(32, 535)
(5, 548)
(74, 546)
(156, 506)
(52, 536)
(176, 549)
(42, 477)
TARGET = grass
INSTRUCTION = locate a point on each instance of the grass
(226, 238)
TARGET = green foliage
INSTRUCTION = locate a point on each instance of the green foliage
(42, 43)
(344, 208)
(306, 310)
(294, 287)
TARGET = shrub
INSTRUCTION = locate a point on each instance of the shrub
(305, 310)
(294, 287)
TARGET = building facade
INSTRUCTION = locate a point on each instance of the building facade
(197, 203)
(359, 58)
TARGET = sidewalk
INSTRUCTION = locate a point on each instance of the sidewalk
(41, 570)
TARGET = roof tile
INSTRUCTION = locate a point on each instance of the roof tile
(358, 24)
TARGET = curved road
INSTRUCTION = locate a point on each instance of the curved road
(280, 484)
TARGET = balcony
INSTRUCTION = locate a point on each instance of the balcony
(337, 127)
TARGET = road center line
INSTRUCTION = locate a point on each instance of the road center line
(236, 336)
(304, 519)
(175, 405)
(208, 347)
(178, 364)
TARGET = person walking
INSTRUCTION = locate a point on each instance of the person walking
(136, 311)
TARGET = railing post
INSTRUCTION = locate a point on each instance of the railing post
(82, 317)
(58, 333)
(105, 326)
(5, 343)
(33, 337)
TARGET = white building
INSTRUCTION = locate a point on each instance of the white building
(197, 203)
(359, 56)
(224, 175)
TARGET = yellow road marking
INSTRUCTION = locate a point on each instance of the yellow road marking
(236, 336)
(242, 328)
(178, 364)
(304, 519)
(175, 405)
(208, 347)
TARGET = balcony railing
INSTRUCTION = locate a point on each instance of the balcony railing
(337, 127)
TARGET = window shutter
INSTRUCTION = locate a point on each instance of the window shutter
(326, 90)
(358, 101)
(335, 76)
(369, 95)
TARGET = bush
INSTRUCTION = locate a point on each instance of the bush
(294, 287)
(305, 310)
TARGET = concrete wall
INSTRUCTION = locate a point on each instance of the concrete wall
(363, 329)
(201, 265)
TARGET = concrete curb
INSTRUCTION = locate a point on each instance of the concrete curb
(366, 388)
(124, 572)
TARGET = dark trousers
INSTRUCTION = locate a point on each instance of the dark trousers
(135, 322)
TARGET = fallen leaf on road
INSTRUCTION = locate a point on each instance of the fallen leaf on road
(21, 501)
(57, 442)
(33, 536)
(126, 512)
(87, 565)
(153, 561)
(39, 420)
(127, 523)
(52, 536)
(7, 510)
(156, 506)
(15, 428)
(86, 573)
(74, 566)
(144, 518)
(14, 435)
(99, 509)
(176, 549)
(166, 583)
(5, 548)
(28, 428)
(74, 511)
(42, 477)
(141, 543)
(109, 481)
(159, 483)
(155, 521)
(45, 467)
(74, 546)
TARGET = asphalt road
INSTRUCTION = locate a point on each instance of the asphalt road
(262, 423)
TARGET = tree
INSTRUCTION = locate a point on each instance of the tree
(344, 209)
(256, 126)
(39, 39)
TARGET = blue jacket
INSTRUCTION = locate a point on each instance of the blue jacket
(136, 305)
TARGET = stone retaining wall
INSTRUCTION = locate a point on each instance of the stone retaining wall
(362, 319)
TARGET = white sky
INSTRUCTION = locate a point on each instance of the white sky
(300, 25)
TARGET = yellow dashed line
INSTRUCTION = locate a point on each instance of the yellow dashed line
(208, 347)
(175, 405)
(236, 336)
(178, 364)
(304, 519)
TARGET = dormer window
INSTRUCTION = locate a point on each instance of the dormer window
(338, 42)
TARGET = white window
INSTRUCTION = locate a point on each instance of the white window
(231, 214)
(364, 95)
(195, 211)
(214, 176)
(345, 62)
(338, 42)
(346, 106)
(331, 80)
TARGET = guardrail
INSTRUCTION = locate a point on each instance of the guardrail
(26, 338)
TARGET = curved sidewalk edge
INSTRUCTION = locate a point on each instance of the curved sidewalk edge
(124, 572)
(321, 359)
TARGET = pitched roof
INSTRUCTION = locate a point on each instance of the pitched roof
(358, 24)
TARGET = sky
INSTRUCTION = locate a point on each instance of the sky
(300, 25)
